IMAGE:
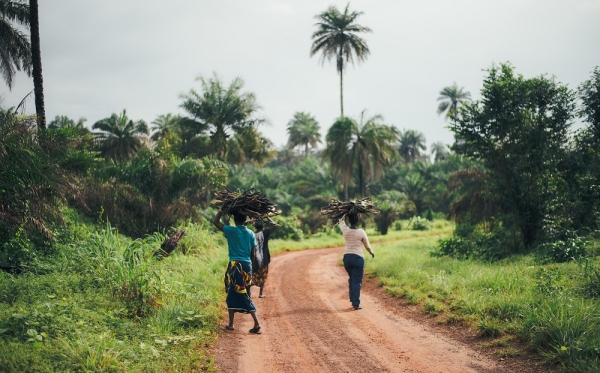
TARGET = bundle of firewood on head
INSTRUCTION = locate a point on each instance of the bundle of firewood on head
(254, 205)
(338, 209)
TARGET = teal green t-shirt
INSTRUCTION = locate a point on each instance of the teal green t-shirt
(240, 241)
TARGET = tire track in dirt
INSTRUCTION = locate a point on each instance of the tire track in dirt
(309, 326)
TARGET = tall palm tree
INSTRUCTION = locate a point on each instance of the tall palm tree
(440, 151)
(336, 37)
(367, 144)
(410, 145)
(15, 49)
(450, 98)
(303, 130)
(36, 60)
(164, 124)
(121, 136)
(222, 110)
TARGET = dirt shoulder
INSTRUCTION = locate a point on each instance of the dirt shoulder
(309, 326)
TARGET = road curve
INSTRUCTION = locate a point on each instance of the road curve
(308, 325)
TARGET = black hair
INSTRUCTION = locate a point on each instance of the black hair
(239, 218)
(353, 219)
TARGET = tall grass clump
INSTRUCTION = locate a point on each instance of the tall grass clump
(109, 305)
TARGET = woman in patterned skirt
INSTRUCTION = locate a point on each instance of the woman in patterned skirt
(241, 245)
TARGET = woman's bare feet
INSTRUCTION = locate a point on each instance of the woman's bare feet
(229, 327)
(255, 330)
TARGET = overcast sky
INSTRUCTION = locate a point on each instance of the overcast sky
(103, 56)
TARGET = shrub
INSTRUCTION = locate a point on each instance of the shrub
(417, 223)
(471, 241)
(290, 228)
(562, 251)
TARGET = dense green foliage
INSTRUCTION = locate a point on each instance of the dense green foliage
(535, 174)
(33, 184)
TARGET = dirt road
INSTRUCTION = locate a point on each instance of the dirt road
(308, 325)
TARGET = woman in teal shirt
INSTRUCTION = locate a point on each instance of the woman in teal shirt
(241, 243)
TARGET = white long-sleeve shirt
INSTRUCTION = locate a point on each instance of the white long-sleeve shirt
(355, 239)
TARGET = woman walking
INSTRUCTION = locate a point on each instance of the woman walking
(241, 244)
(354, 261)
(262, 256)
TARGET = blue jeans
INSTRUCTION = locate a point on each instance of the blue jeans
(355, 266)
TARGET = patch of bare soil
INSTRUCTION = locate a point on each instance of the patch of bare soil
(308, 325)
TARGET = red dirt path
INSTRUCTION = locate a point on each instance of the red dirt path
(309, 326)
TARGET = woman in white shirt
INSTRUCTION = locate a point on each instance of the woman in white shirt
(354, 260)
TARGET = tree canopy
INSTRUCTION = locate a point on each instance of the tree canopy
(120, 136)
(365, 144)
(15, 48)
(303, 130)
(519, 130)
(221, 111)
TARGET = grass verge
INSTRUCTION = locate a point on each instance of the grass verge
(107, 305)
(543, 305)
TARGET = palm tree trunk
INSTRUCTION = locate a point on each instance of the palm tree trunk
(342, 91)
(306, 150)
(361, 180)
(36, 58)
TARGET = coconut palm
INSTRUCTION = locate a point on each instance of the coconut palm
(15, 49)
(33, 182)
(165, 124)
(440, 151)
(222, 110)
(415, 189)
(248, 145)
(121, 136)
(303, 130)
(62, 121)
(336, 37)
(450, 98)
(367, 144)
(410, 145)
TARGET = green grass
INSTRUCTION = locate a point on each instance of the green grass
(334, 238)
(108, 306)
(544, 305)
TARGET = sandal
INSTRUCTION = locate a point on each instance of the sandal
(229, 327)
(255, 330)
(262, 296)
